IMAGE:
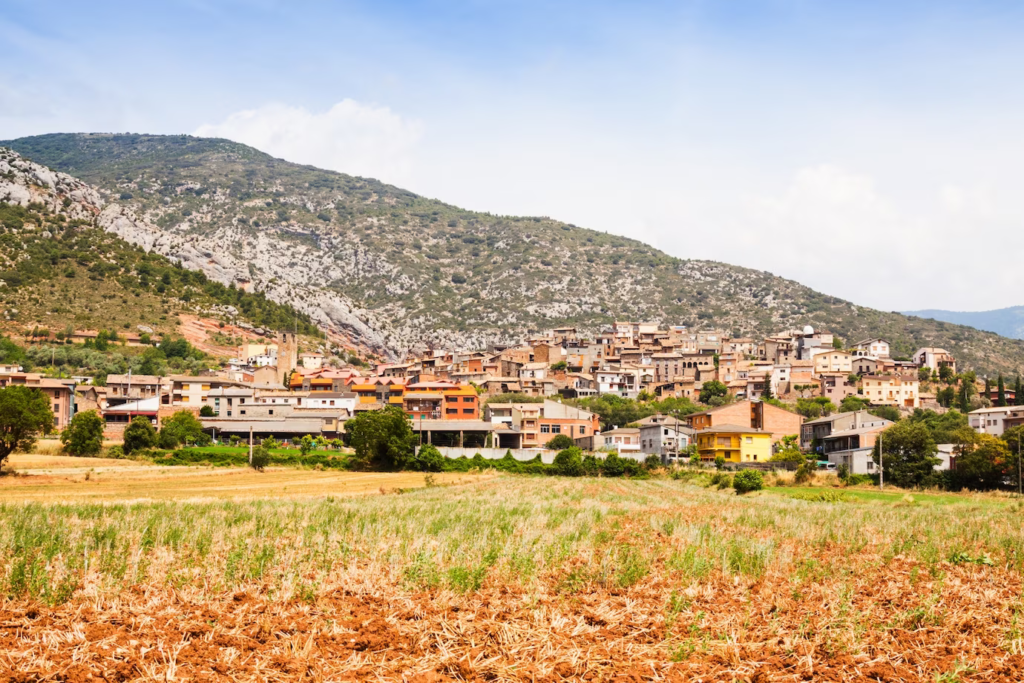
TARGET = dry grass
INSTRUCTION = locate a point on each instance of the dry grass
(55, 480)
(516, 579)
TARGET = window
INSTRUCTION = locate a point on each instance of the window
(241, 412)
(545, 429)
(556, 429)
(468, 411)
(332, 401)
(271, 411)
(750, 439)
(229, 413)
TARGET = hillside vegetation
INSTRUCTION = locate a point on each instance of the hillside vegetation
(398, 271)
(61, 272)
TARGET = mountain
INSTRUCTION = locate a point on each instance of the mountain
(1008, 322)
(396, 271)
(59, 269)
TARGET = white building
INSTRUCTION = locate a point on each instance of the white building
(872, 348)
(990, 420)
(666, 438)
(312, 361)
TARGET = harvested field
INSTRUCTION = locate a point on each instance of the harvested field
(102, 480)
(516, 578)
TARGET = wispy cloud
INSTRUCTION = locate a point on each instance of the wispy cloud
(350, 137)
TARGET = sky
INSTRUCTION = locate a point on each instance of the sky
(869, 149)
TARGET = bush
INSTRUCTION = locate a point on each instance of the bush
(722, 480)
(569, 462)
(591, 465)
(114, 452)
(181, 428)
(746, 481)
(613, 466)
(429, 459)
(559, 443)
(206, 411)
(139, 435)
(719, 462)
(260, 458)
(805, 472)
(84, 436)
(652, 462)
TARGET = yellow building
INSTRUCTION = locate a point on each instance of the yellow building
(891, 390)
(734, 443)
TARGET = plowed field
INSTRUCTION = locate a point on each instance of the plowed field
(517, 579)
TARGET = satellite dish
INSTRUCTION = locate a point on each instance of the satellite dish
(808, 329)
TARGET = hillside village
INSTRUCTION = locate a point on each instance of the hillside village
(734, 399)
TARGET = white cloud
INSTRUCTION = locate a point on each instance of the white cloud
(351, 137)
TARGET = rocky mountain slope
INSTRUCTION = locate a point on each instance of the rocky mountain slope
(59, 269)
(399, 271)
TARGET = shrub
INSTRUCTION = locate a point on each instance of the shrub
(746, 481)
(260, 458)
(429, 459)
(843, 471)
(206, 411)
(591, 465)
(181, 428)
(559, 443)
(805, 472)
(719, 462)
(84, 436)
(569, 462)
(114, 452)
(722, 480)
(613, 465)
(652, 462)
(139, 435)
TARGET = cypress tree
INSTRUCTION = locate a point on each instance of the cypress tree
(1018, 398)
(988, 388)
(1001, 400)
(964, 406)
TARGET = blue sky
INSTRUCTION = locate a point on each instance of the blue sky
(863, 148)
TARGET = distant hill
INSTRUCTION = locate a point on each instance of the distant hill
(395, 271)
(1009, 322)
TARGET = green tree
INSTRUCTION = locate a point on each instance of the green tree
(181, 428)
(891, 413)
(837, 343)
(981, 460)
(789, 451)
(767, 394)
(24, 414)
(909, 454)
(1014, 440)
(559, 442)
(10, 353)
(924, 374)
(1001, 398)
(569, 462)
(746, 481)
(84, 435)
(944, 428)
(946, 374)
(852, 404)
(382, 439)
(139, 435)
(711, 390)
(1018, 395)
(559, 366)
(260, 458)
(207, 411)
(306, 445)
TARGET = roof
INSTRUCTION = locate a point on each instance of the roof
(858, 430)
(136, 379)
(733, 429)
(454, 426)
(621, 430)
(996, 409)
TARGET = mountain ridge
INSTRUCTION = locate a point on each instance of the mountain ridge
(1007, 322)
(400, 272)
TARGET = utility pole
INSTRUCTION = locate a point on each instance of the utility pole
(1020, 485)
(881, 458)
(250, 445)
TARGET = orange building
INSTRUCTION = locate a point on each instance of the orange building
(441, 401)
